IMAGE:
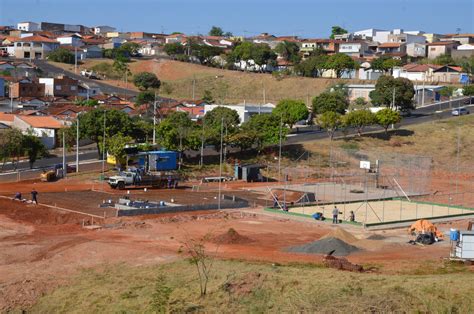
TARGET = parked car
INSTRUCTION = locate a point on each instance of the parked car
(459, 111)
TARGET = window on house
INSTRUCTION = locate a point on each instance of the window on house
(58, 87)
(432, 49)
(73, 87)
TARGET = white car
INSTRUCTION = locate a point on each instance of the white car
(459, 111)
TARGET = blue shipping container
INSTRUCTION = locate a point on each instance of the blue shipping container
(162, 160)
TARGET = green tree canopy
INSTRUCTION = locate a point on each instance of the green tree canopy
(178, 132)
(91, 125)
(216, 31)
(291, 111)
(387, 117)
(261, 54)
(266, 128)
(384, 63)
(61, 55)
(359, 119)
(207, 97)
(145, 97)
(115, 146)
(337, 30)
(289, 51)
(173, 49)
(11, 147)
(444, 59)
(34, 148)
(212, 124)
(330, 101)
(314, 66)
(88, 103)
(330, 121)
(387, 86)
(146, 80)
(340, 62)
(468, 90)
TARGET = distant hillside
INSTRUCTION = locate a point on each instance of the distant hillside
(225, 85)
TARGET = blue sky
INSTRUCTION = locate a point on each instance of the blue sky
(304, 18)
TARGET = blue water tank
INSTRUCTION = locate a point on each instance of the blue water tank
(454, 235)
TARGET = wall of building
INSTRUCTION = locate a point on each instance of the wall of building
(20, 89)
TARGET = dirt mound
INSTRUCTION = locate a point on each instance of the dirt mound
(38, 214)
(341, 234)
(341, 264)
(231, 237)
(326, 246)
(376, 237)
(244, 285)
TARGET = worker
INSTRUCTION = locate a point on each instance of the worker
(335, 213)
(352, 216)
(275, 201)
(17, 196)
(34, 196)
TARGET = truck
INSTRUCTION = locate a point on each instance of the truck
(89, 74)
(133, 179)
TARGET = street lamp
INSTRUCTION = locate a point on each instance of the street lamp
(77, 141)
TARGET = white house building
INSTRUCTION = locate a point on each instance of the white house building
(28, 26)
(244, 110)
(103, 29)
(44, 127)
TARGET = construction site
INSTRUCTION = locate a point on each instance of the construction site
(271, 220)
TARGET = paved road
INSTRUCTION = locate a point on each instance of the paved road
(48, 162)
(105, 88)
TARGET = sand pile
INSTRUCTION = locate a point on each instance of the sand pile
(341, 234)
(325, 246)
(231, 237)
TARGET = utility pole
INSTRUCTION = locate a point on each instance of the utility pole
(393, 98)
(423, 92)
(220, 165)
(103, 151)
(202, 144)
(154, 121)
(75, 60)
(194, 87)
(64, 155)
(77, 143)
(11, 98)
(279, 151)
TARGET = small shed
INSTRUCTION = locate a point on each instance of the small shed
(248, 172)
(465, 246)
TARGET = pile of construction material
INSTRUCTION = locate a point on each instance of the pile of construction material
(341, 264)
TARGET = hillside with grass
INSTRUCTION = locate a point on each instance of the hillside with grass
(225, 85)
(240, 287)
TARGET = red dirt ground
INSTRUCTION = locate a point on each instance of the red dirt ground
(41, 247)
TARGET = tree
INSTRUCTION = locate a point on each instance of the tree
(91, 125)
(115, 146)
(120, 65)
(359, 119)
(145, 97)
(207, 97)
(388, 86)
(359, 103)
(61, 55)
(291, 111)
(244, 138)
(267, 129)
(468, 90)
(216, 31)
(329, 121)
(447, 91)
(146, 80)
(340, 63)
(11, 147)
(384, 63)
(289, 51)
(178, 132)
(444, 59)
(130, 48)
(337, 30)
(33, 148)
(174, 49)
(330, 101)
(261, 54)
(214, 119)
(314, 66)
(387, 117)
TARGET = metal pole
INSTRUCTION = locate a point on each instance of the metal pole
(202, 144)
(75, 60)
(77, 143)
(220, 165)
(64, 154)
(279, 152)
(103, 150)
(154, 121)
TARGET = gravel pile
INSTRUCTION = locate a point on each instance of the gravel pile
(326, 246)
